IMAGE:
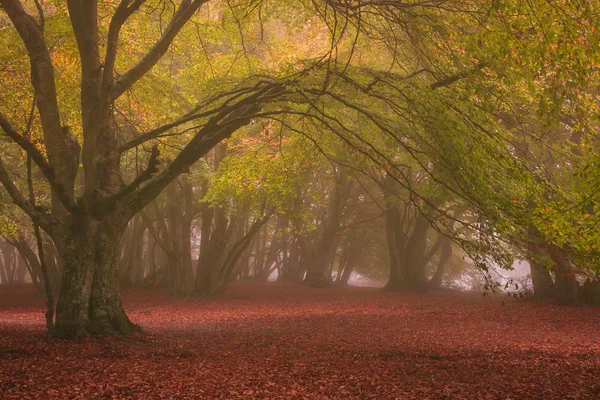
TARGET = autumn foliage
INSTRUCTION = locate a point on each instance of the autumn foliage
(292, 342)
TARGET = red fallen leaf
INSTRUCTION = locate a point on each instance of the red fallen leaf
(288, 342)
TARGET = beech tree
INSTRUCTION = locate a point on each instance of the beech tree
(87, 230)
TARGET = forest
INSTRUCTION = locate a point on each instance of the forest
(310, 199)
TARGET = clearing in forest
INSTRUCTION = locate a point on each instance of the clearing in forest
(292, 342)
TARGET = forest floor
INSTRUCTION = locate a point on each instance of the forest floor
(292, 342)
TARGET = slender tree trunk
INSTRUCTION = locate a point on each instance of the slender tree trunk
(346, 266)
(317, 271)
(22, 267)
(292, 270)
(34, 264)
(271, 258)
(53, 263)
(228, 267)
(203, 270)
(445, 257)
(241, 270)
(3, 273)
(138, 259)
(7, 258)
(416, 262)
(395, 243)
(262, 260)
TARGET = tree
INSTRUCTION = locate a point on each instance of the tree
(86, 230)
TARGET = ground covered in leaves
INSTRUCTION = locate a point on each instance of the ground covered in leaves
(291, 342)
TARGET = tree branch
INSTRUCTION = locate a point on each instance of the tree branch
(453, 78)
(124, 11)
(84, 19)
(219, 127)
(17, 197)
(155, 234)
(39, 160)
(42, 79)
(150, 170)
(182, 15)
(188, 117)
(240, 246)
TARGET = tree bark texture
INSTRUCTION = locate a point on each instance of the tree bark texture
(89, 300)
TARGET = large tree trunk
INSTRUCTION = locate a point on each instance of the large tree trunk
(89, 300)
(567, 287)
(543, 286)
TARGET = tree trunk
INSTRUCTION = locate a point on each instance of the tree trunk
(228, 268)
(35, 269)
(318, 266)
(567, 286)
(291, 271)
(177, 239)
(351, 257)
(53, 263)
(543, 286)
(131, 269)
(203, 269)
(89, 300)
(416, 252)
(395, 243)
(445, 256)
(317, 271)
(262, 261)
(269, 261)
